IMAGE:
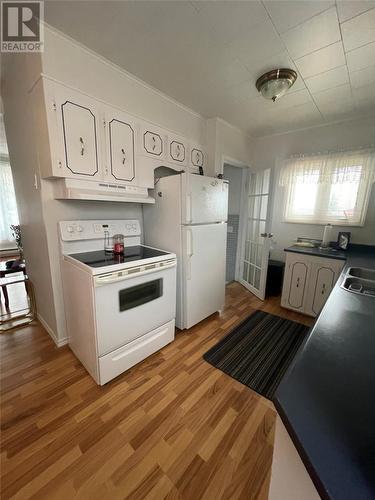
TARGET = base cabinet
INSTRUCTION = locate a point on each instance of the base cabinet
(308, 281)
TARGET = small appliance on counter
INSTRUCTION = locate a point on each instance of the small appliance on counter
(120, 305)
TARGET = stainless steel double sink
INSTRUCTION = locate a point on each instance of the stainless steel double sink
(360, 280)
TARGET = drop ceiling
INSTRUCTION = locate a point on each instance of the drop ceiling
(208, 54)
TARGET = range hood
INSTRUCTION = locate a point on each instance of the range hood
(78, 189)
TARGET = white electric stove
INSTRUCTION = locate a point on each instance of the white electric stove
(119, 308)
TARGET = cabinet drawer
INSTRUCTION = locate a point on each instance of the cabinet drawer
(113, 364)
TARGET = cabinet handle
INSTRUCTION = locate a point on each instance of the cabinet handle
(323, 289)
(123, 156)
(82, 146)
(297, 284)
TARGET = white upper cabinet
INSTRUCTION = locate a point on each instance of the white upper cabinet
(177, 151)
(80, 137)
(120, 146)
(197, 158)
(152, 141)
(74, 129)
(79, 124)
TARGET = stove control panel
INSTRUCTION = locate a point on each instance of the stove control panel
(95, 229)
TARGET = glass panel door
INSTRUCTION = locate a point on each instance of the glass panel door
(256, 242)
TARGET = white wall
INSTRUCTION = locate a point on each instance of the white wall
(23, 157)
(227, 143)
(79, 67)
(268, 151)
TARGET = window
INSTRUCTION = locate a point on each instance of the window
(8, 206)
(333, 188)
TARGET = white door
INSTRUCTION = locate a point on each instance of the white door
(256, 240)
(204, 199)
(204, 249)
(121, 147)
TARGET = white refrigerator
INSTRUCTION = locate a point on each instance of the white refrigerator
(189, 219)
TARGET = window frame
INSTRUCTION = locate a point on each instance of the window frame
(323, 193)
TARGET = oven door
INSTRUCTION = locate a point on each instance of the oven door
(129, 306)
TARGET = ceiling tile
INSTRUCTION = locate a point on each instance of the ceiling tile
(305, 115)
(361, 58)
(256, 45)
(289, 13)
(229, 19)
(342, 93)
(365, 94)
(321, 60)
(363, 77)
(334, 110)
(359, 31)
(329, 79)
(318, 32)
(348, 8)
(226, 75)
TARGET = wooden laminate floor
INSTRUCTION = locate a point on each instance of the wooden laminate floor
(171, 427)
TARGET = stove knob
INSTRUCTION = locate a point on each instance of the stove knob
(70, 229)
(79, 229)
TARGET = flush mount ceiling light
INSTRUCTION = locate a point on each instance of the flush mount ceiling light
(276, 83)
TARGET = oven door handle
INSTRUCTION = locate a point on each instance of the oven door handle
(115, 277)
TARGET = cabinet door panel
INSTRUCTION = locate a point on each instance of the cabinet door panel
(121, 150)
(152, 141)
(298, 280)
(79, 126)
(323, 282)
(177, 151)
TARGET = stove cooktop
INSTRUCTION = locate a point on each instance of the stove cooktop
(100, 258)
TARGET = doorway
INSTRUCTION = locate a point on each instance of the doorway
(235, 175)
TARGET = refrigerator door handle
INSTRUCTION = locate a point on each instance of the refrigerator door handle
(190, 253)
(189, 208)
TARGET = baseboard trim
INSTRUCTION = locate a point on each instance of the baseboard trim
(51, 333)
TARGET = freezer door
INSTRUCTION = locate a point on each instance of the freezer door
(204, 271)
(204, 199)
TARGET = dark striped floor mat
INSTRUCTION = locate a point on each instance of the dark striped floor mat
(258, 351)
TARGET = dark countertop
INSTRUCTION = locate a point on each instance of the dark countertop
(330, 253)
(326, 400)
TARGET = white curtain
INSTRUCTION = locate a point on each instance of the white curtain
(328, 188)
(8, 206)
